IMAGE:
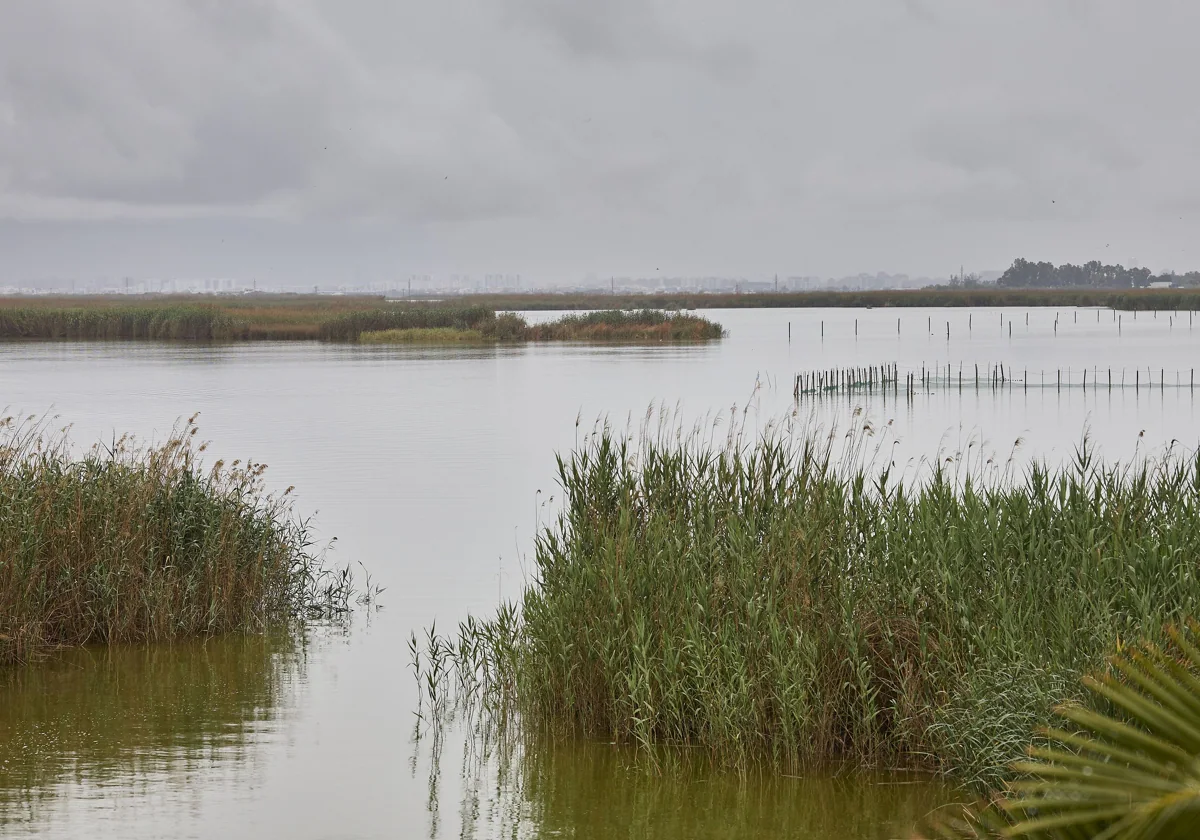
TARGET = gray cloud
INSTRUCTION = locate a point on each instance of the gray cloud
(556, 137)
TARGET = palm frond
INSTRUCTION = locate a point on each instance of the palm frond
(1129, 770)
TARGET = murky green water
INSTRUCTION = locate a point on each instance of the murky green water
(141, 737)
(433, 468)
(97, 726)
(596, 791)
(87, 721)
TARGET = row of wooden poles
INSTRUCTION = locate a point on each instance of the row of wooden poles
(971, 322)
(887, 378)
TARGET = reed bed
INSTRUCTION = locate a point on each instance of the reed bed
(176, 317)
(484, 325)
(426, 335)
(351, 326)
(193, 323)
(641, 326)
(768, 601)
(130, 543)
(324, 318)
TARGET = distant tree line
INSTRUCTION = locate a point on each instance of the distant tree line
(1023, 274)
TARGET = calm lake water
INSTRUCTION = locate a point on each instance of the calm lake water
(433, 468)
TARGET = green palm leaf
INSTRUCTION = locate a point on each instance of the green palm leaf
(1130, 773)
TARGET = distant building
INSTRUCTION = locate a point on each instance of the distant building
(1161, 284)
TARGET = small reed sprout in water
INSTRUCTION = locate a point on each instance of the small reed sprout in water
(130, 543)
(766, 599)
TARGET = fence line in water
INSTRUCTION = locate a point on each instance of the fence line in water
(887, 379)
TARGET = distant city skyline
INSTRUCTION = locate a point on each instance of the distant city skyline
(491, 282)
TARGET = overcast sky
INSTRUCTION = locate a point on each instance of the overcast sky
(329, 140)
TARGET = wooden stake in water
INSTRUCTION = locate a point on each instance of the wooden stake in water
(789, 332)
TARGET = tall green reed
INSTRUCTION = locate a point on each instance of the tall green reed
(777, 599)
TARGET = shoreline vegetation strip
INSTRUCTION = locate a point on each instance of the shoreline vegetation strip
(309, 317)
(371, 320)
(767, 601)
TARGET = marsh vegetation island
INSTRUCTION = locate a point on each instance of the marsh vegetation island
(369, 320)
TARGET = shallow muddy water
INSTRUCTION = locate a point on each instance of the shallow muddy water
(433, 468)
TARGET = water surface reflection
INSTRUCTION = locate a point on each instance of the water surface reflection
(555, 788)
(88, 719)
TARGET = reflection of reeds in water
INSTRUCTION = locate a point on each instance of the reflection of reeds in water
(517, 784)
(119, 714)
(765, 599)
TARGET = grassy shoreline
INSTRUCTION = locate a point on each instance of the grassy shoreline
(133, 544)
(764, 603)
(311, 318)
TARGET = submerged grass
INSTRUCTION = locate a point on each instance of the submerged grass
(770, 602)
(130, 544)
